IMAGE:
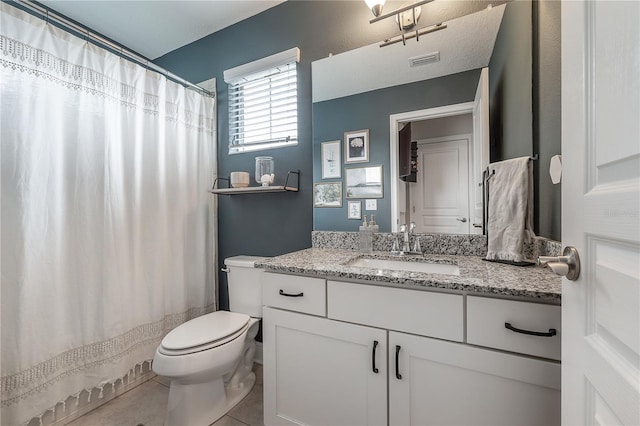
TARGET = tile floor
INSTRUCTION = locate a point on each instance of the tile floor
(146, 405)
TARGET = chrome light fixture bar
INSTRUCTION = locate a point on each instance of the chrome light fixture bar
(413, 34)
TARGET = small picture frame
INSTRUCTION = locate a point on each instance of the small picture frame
(327, 194)
(354, 210)
(356, 146)
(331, 160)
(364, 182)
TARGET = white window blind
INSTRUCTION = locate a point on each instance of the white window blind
(263, 103)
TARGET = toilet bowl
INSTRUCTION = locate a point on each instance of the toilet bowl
(209, 359)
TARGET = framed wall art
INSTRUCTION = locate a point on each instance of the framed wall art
(327, 194)
(356, 146)
(331, 160)
(354, 210)
(364, 182)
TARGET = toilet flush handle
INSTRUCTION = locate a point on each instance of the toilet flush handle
(225, 269)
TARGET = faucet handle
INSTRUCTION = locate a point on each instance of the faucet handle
(412, 227)
(416, 246)
(395, 249)
(403, 227)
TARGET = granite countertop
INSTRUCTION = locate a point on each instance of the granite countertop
(476, 275)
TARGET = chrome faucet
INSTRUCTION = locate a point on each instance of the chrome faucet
(407, 234)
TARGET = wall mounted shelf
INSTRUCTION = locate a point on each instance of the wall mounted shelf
(257, 189)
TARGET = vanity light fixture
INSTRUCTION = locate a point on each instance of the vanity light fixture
(406, 17)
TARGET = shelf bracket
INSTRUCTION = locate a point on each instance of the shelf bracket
(221, 178)
(286, 182)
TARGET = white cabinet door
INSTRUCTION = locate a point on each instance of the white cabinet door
(433, 382)
(321, 372)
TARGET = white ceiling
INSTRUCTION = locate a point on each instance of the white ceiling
(153, 28)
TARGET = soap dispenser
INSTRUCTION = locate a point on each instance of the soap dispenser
(373, 226)
(366, 237)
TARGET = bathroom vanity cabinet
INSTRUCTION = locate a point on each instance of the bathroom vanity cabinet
(354, 353)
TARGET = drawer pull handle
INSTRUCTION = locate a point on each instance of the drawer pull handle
(551, 332)
(398, 375)
(282, 293)
(373, 356)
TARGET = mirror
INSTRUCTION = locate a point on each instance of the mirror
(355, 90)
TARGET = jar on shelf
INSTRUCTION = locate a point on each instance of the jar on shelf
(265, 171)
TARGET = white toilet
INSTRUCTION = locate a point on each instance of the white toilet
(209, 359)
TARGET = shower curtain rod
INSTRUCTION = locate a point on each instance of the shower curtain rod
(47, 14)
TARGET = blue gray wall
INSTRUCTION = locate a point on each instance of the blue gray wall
(510, 85)
(272, 224)
(546, 114)
(525, 120)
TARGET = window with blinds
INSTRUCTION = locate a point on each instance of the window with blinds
(263, 103)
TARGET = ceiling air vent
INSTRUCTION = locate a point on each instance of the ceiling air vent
(429, 58)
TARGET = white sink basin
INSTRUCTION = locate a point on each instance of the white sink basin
(399, 265)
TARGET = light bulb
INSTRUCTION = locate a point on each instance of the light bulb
(375, 6)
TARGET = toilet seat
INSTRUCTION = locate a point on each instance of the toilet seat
(205, 332)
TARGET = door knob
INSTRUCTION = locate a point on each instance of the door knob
(567, 265)
(461, 219)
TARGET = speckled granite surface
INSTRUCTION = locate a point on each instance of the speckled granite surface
(463, 245)
(476, 276)
(454, 244)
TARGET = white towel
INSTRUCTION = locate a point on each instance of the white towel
(510, 218)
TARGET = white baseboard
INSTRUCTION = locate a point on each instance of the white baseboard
(258, 356)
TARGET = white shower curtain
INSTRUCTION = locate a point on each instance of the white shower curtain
(106, 223)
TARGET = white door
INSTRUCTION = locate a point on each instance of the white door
(321, 372)
(433, 382)
(600, 211)
(440, 198)
(480, 149)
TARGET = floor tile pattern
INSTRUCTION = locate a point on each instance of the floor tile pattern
(145, 405)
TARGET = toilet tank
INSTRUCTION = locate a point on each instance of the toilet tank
(245, 287)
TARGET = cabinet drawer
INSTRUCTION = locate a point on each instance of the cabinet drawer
(413, 311)
(487, 319)
(301, 294)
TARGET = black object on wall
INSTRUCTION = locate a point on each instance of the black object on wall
(407, 155)
(413, 164)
